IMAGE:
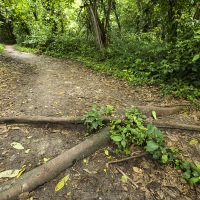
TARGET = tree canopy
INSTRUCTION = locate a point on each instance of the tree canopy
(143, 41)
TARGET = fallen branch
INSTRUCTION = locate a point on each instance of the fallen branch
(77, 120)
(41, 119)
(160, 111)
(186, 127)
(127, 177)
(125, 159)
(147, 110)
(44, 173)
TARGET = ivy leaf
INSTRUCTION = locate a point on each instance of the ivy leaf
(151, 146)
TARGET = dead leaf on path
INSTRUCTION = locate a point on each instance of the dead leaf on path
(90, 172)
(55, 131)
(17, 145)
(9, 173)
(62, 183)
(69, 193)
(46, 160)
(27, 151)
(2, 126)
(106, 152)
(193, 142)
(21, 172)
(137, 170)
(154, 114)
(125, 188)
(15, 128)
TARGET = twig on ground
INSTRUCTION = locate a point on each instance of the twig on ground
(127, 177)
(125, 159)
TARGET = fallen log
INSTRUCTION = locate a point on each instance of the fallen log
(74, 120)
(46, 172)
(41, 119)
(160, 111)
(185, 127)
(147, 110)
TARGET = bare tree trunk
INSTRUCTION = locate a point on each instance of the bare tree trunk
(96, 27)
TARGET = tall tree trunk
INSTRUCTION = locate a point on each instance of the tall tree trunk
(172, 23)
(95, 22)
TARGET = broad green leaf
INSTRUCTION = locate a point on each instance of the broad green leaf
(154, 114)
(151, 146)
(123, 143)
(164, 158)
(17, 145)
(195, 173)
(116, 138)
(194, 180)
(186, 175)
(62, 183)
(9, 173)
(196, 57)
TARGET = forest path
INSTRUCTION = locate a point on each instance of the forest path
(52, 86)
(39, 85)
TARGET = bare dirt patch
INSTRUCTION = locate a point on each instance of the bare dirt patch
(38, 85)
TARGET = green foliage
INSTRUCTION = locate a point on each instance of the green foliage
(1, 48)
(93, 119)
(124, 134)
(132, 131)
(26, 49)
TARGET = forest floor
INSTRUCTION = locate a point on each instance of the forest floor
(39, 85)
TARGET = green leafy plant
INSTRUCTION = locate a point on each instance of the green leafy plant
(131, 130)
(93, 119)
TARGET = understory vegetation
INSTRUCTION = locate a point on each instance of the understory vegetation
(132, 130)
(1, 48)
(143, 42)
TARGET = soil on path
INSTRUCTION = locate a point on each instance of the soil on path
(38, 85)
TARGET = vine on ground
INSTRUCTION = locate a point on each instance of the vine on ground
(132, 131)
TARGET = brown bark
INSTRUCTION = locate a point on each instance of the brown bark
(44, 173)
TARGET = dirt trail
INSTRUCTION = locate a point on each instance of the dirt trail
(55, 86)
(40, 85)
